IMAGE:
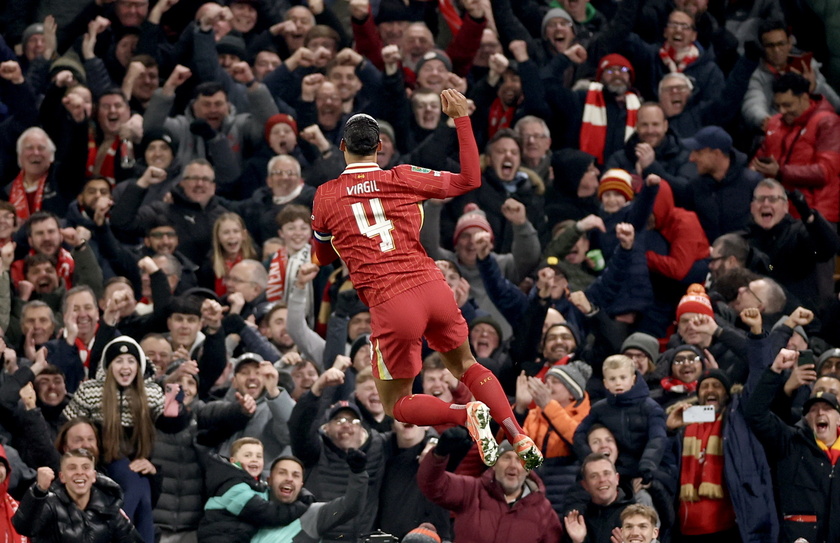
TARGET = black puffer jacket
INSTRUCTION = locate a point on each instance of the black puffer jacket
(181, 503)
(53, 517)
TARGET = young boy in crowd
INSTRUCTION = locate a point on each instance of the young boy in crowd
(636, 421)
(239, 504)
(294, 228)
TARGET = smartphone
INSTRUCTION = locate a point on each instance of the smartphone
(806, 356)
(699, 413)
(800, 63)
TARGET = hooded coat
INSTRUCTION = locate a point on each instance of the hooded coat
(8, 505)
(561, 199)
(638, 424)
(685, 236)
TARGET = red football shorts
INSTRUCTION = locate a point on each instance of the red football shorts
(399, 325)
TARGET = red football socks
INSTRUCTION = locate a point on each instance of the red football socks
(427, 410)
(486, 388)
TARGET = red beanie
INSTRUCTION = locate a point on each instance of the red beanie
(618, 180)
(277, 119)
(473, 216)
(614, 60)
(695, 301)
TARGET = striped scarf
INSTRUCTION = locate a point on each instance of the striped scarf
(701, 475)
(678, 61)
(833, 452)
(593, 129)
(450, 15)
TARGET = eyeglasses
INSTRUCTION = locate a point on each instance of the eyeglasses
(529, 137)
(636, 356)
(345, 420)
(202, 178)
(675, 89)
(617, 70)
(558, 21)
(161, 235)
(680, 26)
(748, 289)
(680, 360)
(284, 173)
(769, 199)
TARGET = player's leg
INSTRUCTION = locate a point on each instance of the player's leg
(419, 409)
(396, 346)
(487, 390)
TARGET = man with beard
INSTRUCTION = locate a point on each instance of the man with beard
(271, 321)
(731, 496)
(43, 236)
(82, 210)
(600, 119)
(654, 149)
(802, 457)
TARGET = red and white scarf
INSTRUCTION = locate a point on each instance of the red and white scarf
(450, 15)
(701, 475)
(593, 129)
(678, 61)
(672, 384)
(19, 198)
(282, 267)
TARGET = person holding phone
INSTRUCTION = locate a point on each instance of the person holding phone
(719, 460)
(779, 57)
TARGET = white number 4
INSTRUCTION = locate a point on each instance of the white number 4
(381, 227)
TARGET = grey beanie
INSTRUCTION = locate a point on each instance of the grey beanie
(797, 329)
(31, 30)
(386, 128)
(644, 342)
(831, 353)
(574, 375)
(554, 13)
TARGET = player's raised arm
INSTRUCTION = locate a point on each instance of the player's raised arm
(454, 104)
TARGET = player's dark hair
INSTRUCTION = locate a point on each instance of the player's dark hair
(209, 88)
(361, 135)
(793, 82)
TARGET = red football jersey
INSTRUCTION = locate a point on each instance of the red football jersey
(373, 218)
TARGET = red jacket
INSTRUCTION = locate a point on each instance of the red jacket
(684, 233)
(481, 513)
(808, 153)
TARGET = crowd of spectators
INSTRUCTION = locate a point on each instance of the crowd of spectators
(648, 269)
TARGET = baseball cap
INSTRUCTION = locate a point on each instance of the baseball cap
(826, 397)
(343, 405)
(710, 137)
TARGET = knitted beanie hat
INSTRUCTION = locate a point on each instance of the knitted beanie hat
(425, 533)
(277, 119)
(716, 374)
(644, 342)
(555, 13)
(473, 216)
(618, 180)
(695, 301)
(574, 376)
(434, 54)
(123, 345)
(615, 60)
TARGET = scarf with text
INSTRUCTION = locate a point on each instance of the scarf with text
(19, 198)
(701, 475)
(284, 266)
(593, 128)
(678, 61)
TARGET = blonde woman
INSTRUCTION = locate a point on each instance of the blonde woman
(231, 245)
